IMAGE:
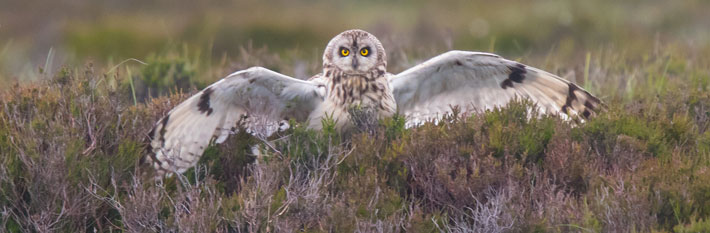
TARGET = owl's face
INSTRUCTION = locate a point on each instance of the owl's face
(354, 51)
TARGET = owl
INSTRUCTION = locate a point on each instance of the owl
(355, 76)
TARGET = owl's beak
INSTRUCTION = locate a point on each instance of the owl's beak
(355, 64)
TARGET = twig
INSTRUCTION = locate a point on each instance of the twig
(270, 146)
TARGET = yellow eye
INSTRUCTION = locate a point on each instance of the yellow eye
(344, 52)
(364, 52)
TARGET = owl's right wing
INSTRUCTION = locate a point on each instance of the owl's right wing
(480, 81)
(178, 139)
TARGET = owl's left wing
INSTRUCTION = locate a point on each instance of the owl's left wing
(479, 81)
(178, 140)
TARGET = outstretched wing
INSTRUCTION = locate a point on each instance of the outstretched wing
(479, 81)
(178, 139)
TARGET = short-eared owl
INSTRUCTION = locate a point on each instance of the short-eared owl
(355, 73)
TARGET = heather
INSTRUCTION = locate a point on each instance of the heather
(72, 134)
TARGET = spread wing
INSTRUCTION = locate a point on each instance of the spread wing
(178, 139)
(479, 81)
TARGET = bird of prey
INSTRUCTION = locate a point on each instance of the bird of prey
(355, 74)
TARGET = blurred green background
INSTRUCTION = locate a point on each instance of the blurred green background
(38, 35)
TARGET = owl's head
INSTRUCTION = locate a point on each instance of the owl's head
(355, 51)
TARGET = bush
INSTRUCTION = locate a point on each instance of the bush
(70, 146)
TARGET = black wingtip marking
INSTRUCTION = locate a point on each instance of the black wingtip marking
(163, 129)
(517, 74)
(151, 135)
(571, 93)
(589, 104)
(571, 96)
(586, 113)
(506, 83)
(204, 104)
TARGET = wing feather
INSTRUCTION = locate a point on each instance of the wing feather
(480, 81)
(178, 140)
